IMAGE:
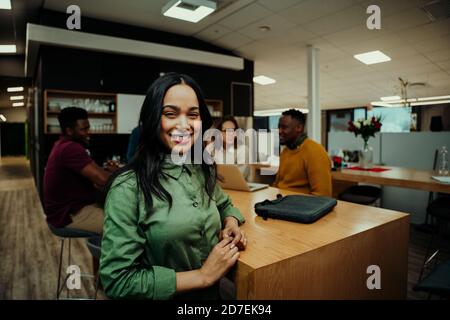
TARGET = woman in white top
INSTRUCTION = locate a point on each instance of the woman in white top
(232, 151)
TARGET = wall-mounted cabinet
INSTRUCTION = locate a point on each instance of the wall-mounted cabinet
(101, 108)
(241, 99)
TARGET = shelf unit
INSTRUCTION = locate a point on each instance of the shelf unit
(101, 108)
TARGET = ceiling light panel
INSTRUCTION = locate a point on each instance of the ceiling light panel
(15, 89)
(372, 57)
(189, 10)
(8, 48)
(5, 4)
(263, 80)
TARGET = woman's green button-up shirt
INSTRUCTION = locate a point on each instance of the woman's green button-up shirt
(142, 251)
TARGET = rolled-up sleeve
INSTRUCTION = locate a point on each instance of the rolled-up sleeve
(121, 271)
(225, 206)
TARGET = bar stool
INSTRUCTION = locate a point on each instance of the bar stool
(94, 245)
(63, 234)
(361, 194)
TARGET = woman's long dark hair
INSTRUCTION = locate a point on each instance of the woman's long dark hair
(148, 160)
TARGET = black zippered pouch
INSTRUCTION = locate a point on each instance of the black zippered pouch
(297, 208)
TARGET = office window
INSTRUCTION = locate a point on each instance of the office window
(359, 113)
(338, 120)
(396, 119)
(273, 122)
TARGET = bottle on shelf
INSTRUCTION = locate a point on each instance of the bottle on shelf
(443, 165)
(112, 107)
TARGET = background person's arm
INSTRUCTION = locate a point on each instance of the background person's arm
(76, 158)
(96, 174)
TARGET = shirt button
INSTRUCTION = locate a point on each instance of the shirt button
(195, 204)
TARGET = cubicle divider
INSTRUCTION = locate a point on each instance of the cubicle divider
(347, 141)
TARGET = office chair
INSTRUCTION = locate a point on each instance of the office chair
(361, 194)
(437, 282)
(94, 245)
(63, 234)
(439, 211)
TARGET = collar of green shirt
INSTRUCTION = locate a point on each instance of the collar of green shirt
(173, 169)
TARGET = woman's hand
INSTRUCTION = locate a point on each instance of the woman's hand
(222, 257)
(232, 230)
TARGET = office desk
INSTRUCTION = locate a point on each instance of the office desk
(324, 260)
(396, 177)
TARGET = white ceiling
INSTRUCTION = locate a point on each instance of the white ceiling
(419, 48)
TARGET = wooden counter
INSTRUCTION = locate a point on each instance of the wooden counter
(396, 177)
(324, 260)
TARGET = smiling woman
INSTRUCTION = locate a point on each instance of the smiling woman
(180, 121)
(162, 234)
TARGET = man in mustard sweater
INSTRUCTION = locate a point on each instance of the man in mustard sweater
(304, 164)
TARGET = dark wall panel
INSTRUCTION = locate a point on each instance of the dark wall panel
(81, 70)
(241, 99)
(12, 137)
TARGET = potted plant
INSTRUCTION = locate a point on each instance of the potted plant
(366, 128)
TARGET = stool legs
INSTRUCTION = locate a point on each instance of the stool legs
(62, 284)
(97, 284)
(69, 262)
(59, 268)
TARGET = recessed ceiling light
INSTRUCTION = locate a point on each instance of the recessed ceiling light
(263, 80)
(5, 4)
(2, 117)
(275, 112)
(420, 103)
(390, 98)
(433, 98)
(8, 48)
(189, 10)
(264, 28)
(16, 98)
(413, 102)
(18, 104)
(372, 57)
(14, 89)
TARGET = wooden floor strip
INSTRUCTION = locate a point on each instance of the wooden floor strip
(29, 251)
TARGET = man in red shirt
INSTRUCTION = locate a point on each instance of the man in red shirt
(71, 176)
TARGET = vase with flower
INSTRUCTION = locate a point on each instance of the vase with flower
(366, 128)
